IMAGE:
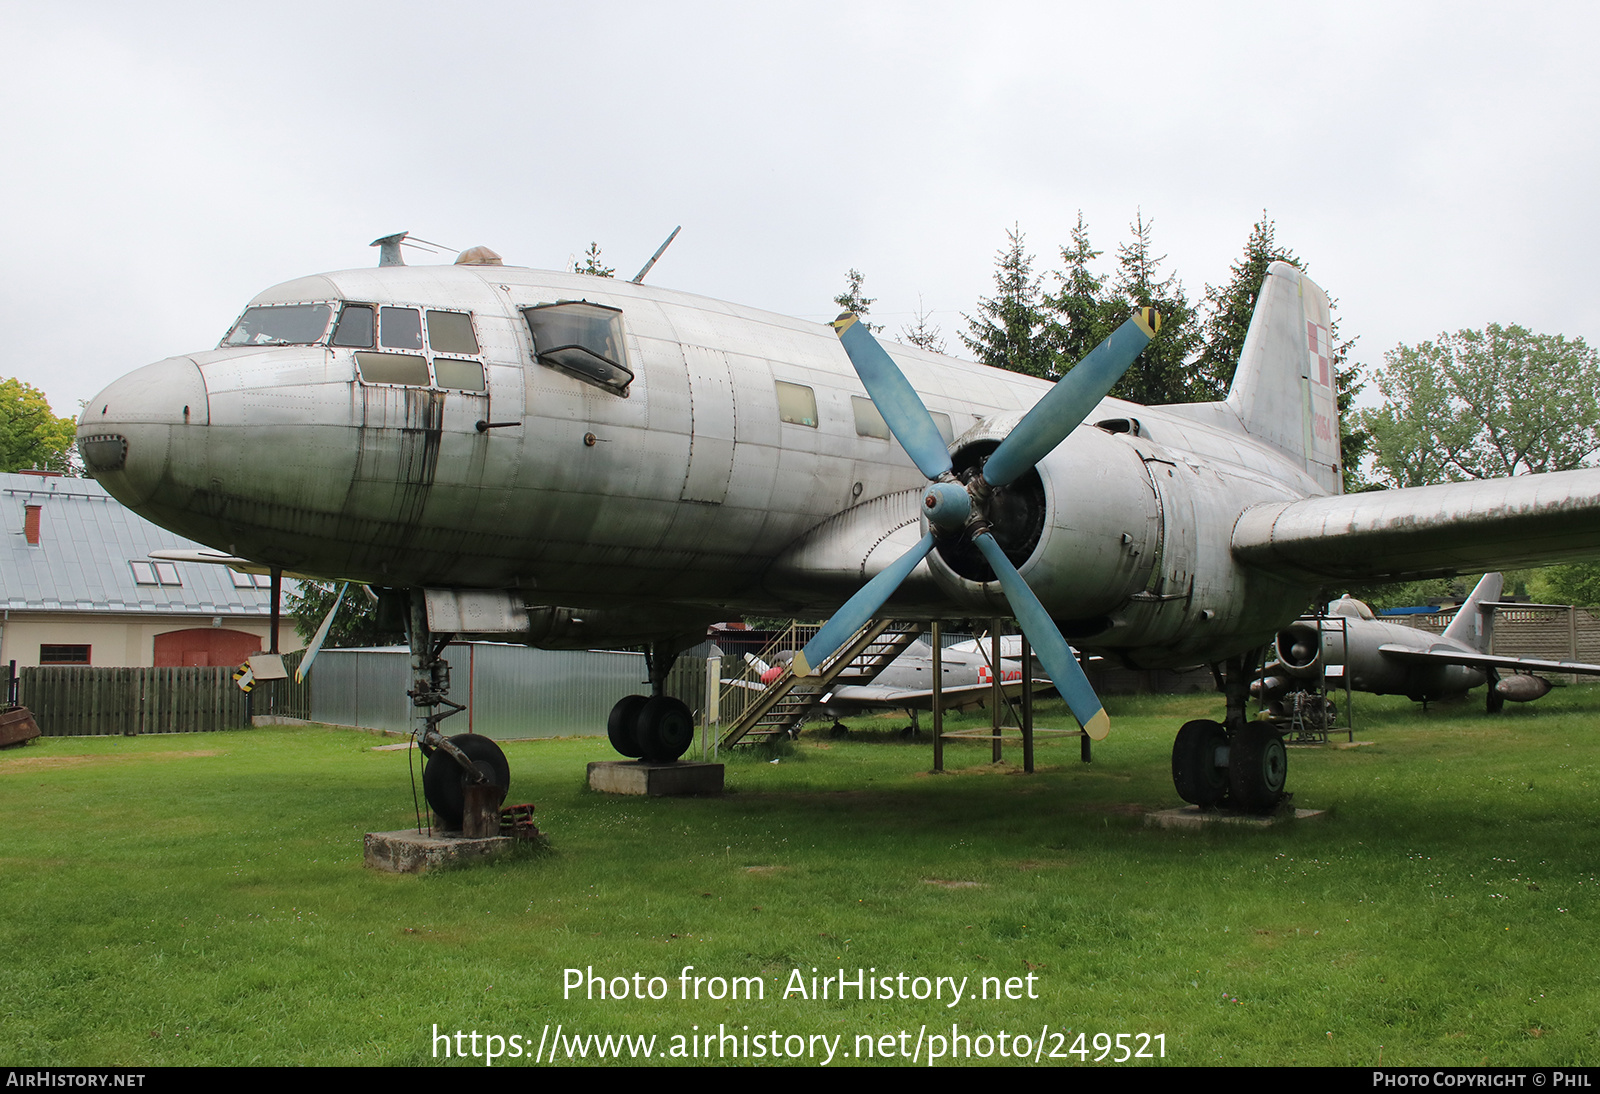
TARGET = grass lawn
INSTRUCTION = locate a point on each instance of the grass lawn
(201, 899)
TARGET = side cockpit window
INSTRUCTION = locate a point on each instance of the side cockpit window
(581, 339)
(416, 348)
(281, 325)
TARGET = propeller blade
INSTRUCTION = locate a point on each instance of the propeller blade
(894, 397)
(858, 609)
(303, 669)
(1048, 645)
(1067, 404)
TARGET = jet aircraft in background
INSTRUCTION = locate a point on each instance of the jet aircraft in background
(1393, 659)
(572, 460)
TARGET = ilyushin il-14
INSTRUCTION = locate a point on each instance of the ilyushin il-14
(1350, 645)
(573, 460)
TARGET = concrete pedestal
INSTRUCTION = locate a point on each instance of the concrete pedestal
(1192, 816)
(655, 780)
(408, 852)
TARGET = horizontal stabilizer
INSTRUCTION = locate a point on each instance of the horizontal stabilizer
(1486, 661)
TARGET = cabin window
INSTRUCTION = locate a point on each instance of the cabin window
(584, 340)
(869, 421)
(357, 325)
(797, 404)
(463, 375)
(941, 422)
(281, 325)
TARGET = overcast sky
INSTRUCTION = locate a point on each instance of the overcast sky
(1434, 164)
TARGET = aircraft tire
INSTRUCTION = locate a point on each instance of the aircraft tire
(444, 784)
(1194, 763)
(622, 727)
(1258, 768)
(665, 729)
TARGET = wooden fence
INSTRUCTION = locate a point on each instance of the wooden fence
(79, 701)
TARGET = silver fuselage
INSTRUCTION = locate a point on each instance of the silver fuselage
(690, 498)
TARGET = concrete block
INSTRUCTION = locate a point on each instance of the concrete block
(655, 780)
(408, 852)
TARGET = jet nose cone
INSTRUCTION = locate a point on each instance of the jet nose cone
(125, 432)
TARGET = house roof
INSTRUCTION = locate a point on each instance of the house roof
(82, 563)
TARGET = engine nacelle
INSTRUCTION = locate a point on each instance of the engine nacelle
(1083, 528)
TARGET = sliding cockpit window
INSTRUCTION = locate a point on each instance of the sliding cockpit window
(281, 325)
(584, 340)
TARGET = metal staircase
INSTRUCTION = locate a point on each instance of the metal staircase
(779, 708)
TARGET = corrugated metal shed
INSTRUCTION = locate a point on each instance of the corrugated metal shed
(511, 691)
(86, 541)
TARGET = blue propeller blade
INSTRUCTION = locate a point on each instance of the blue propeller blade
(1067, 404)
(858, 609)
(1052, 649)
(894, 397)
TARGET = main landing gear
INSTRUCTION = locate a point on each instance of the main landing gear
(1241, 764)
(453, 763)
(655, 728)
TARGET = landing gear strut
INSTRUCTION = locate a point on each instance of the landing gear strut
(655, 728)
(453, 763)
(1238, 762)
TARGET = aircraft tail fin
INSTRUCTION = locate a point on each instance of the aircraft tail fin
(1473, 626)
(1284, 389)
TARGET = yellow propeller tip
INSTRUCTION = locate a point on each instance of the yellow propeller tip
(845, 321)
(1098, 726)
(1149, 321)
(800, 666)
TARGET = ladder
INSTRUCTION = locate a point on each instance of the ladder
(780, 708)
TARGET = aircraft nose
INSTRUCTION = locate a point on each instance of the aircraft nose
(125, 434)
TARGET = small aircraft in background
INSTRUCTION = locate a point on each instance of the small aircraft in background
(966, 674)
(1350, 645)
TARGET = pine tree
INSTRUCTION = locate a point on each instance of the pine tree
(922, 335)
(1162, 372)
(1229, 308)
(851, 299)
(591, 263)
(1011, 329)
(1081, 316)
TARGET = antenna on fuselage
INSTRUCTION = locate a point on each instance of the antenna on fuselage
(638, 277)
(389, 248)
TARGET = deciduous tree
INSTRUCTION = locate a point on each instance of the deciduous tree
(1482, 404)
(31, 436)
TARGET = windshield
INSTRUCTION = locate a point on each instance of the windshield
(281, 325)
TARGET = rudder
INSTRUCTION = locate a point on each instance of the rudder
(1285, 389)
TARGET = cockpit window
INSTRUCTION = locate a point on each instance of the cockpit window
(281, 325)
(356, 327)
(582, 339)
(400, 328)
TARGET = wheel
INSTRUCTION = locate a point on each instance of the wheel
(444, 784)
(1194, 763)
(623, 725)
(665, 729)
(1258, 766)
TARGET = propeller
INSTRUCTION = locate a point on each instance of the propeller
(956, 507)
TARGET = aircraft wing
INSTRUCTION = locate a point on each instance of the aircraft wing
(1427, 531)
(1485, 660)
(877, 696)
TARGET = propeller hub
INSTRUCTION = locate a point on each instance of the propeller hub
(947, 505)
